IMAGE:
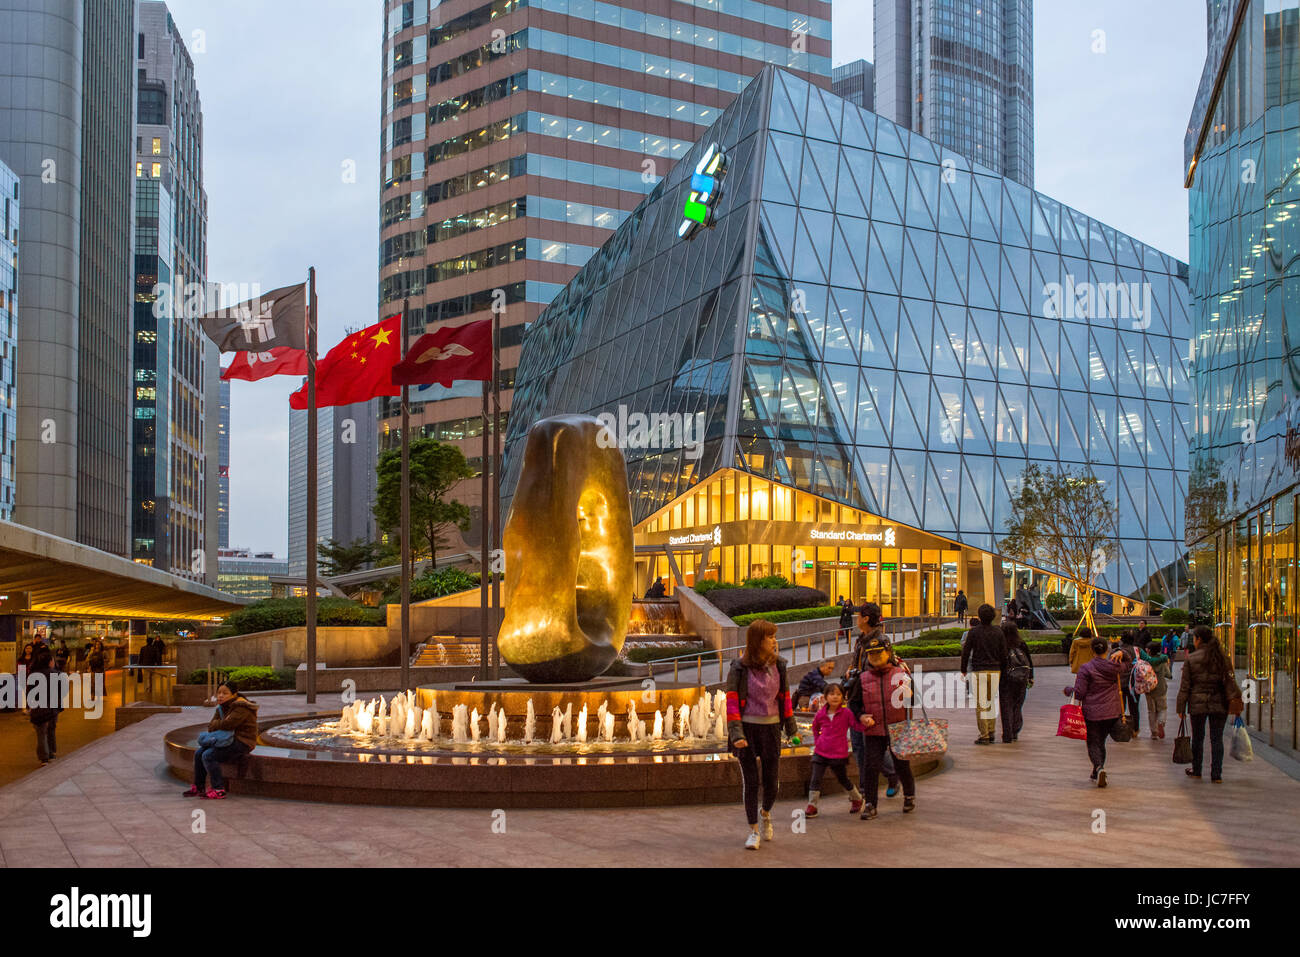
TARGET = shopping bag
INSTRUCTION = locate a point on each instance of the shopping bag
(1242, 750)
(1071, 723)
(1182, 744)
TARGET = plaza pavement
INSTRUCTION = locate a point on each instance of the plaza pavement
(112, 804)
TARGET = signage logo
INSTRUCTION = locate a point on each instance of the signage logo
(703, 198)
(698, 538)
(887, 537)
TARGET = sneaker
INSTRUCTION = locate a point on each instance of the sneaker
(1101, 778)
(1093, 775)
(909, 804)
(892, 790)
(1154, 736)
(855, 805)
(751, 842)
(868, 813)
(1190, 773)
(193, 792)
(766, 818)
(810, 811)
(215, 794)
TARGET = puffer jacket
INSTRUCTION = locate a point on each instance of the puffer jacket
(738, 694)
(240, 716)
(880, 692)
(1080, 654)
(1097, 688)
(1201, 691)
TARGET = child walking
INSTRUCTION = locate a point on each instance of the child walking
(831, 749)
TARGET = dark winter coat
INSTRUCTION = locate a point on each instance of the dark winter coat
(985, 650)
(240, 716)
(1201, 690)
(879, 694)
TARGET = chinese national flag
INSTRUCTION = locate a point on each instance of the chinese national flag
(448, 355)
(252, 366)
(358, 368)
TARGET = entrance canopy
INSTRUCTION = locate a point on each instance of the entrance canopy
(55, 576)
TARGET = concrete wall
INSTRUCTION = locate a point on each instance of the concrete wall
(333, 643)
(715, 628)
(461, 620)
(389, 679)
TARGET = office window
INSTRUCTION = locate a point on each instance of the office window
(156, 170)
(157, 146)
(139, 170)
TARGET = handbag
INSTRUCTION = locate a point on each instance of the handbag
(216, 739)
(923, 737)
(1071, 723)
(1182, 743)
(1122, 730)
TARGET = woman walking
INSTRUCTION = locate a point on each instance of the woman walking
(886, 691)
(1097, 688)
(1015, 683)
(871, 626)
(758, 710)
(1208, 692)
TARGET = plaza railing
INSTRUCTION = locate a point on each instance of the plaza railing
(153, 684)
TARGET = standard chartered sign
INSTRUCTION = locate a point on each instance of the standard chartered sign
(698, 538)
(885, 536)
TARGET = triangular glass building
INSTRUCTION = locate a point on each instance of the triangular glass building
(876, 338)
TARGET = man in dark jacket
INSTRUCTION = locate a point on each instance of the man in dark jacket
(960, 604)
(984, 659)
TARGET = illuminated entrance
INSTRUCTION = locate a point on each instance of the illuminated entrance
(734, 526)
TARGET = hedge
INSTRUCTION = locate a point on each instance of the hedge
(249, 677)
(653, 653)
(909, 649)
(793, 614)
(710, 584)
(435, 584)
(743, 601)
(1174, 616)
(272, 613)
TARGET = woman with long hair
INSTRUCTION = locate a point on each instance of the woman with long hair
(758, 710)
(1208, 692)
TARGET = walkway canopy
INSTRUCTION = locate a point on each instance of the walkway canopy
(60, 577)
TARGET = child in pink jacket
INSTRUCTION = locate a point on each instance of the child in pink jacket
(831, 749)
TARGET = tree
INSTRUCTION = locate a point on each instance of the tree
(1063, 520)
(339, 559)
(435, 469)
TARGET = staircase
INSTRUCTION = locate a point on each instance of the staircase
(442, 650)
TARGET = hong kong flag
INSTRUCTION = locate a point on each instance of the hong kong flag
(358, 368)
(252, 366)
(448, 355)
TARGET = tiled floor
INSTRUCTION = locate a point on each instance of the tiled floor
(111, 804)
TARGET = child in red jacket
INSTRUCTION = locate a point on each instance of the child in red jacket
(831, 749)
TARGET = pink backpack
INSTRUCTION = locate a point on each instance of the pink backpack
(1144, 677)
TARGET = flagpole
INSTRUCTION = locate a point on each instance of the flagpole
(311, 485)
(406, 508)
(483, 664)
(496, 482)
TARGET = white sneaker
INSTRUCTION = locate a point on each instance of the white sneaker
(766, 818)
(751, 842)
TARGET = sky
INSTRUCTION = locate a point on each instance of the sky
(291, 101)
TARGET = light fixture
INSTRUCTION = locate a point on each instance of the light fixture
(703, 198)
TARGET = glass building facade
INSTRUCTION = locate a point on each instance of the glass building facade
(961, 72)
(9, 203)
(855, 82)
(891, 345)
(1243, 174)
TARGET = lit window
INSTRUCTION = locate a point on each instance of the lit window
(139, 170)
(157, 170)
(157, 146)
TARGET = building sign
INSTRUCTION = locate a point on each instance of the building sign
(698, 538)
(703, 198)
(885, 536)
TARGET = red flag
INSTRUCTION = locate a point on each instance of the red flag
(448, 355)
(252, 366)
(358, 368)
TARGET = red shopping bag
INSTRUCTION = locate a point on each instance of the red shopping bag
(1071, 724)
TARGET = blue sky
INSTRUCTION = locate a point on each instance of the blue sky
(291, 97)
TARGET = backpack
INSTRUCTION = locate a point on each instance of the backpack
(1018, 669)
(1144, 677)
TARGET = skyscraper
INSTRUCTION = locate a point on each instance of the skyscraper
(9, 202)
(855, 82)
(223, 467)
(518, 135)
(347, 448)
(67, 131)
(961, 72)
(175, 389)
(1242, 155)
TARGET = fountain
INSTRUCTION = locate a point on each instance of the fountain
(530, 723)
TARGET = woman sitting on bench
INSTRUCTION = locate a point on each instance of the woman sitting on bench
(231, 734)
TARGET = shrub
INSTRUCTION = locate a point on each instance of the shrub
(248, 677)
(1156, 598)
(710, 584)
(911, 649)
(1174, 616)
(435, 584)
(642, 655)
(938, 635)
(768, 581)
(1055, 601)
(287, 612)
(742, 601)
(793, 614)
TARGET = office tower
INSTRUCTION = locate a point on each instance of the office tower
(9, 202)
(867, 359)
(248, 574)
(961, 73)
(223, 466)
(856, 83)
(517, 136)
(175, 384)
(67, 83)
(347, 449)
(1242, 155)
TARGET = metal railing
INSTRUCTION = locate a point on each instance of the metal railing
(148, 683)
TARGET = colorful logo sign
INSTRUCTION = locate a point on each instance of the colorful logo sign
(703, 198)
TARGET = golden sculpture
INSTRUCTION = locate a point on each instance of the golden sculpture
(568, 548)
